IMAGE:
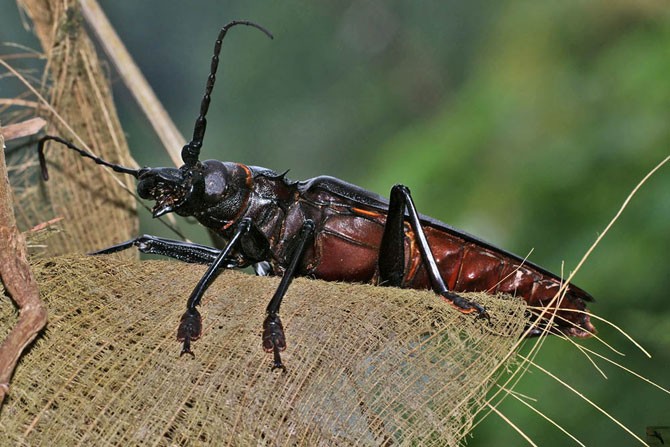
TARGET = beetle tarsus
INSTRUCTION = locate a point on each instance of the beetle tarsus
(189, 330)
(274, 339)
(186, 349)
(277, 363)
(465, 306)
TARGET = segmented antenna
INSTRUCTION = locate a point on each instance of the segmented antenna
(98, 160)
(191, 150)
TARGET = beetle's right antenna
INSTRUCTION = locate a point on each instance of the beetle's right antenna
(43, 164)
(191, 151)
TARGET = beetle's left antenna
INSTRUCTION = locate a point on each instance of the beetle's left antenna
(191, 150)
(43, 164)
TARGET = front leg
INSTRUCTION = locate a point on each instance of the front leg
(183, 251)
(190, 326)
(392, 252)
(274, 339)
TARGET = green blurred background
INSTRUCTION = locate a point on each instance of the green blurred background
(525, 123)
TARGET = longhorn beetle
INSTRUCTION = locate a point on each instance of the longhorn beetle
(328, 229)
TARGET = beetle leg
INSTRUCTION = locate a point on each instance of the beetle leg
(274, 339)
(180, 250)
(190, 325)
(391, 261)
(392, 251)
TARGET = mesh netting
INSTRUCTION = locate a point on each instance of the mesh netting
(76, 87)
(366, 365)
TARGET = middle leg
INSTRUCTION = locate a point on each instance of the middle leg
(274, 339)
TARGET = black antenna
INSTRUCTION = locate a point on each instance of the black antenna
(191, 151)
(43, 164)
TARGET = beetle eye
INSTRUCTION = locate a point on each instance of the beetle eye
(215, 184)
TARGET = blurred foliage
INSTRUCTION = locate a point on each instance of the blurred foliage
(526, 123)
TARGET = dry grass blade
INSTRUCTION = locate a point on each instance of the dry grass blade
(619, 365)
(132, 76)
(544, 416)
(586, 399)
(511, 424)
(527, 361)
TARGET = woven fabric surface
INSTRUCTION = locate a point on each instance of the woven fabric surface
(365, 365)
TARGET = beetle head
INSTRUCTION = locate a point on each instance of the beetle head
(209, 188)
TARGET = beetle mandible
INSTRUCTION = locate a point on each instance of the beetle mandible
(327, 229)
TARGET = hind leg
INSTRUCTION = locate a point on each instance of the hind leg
(392, 252)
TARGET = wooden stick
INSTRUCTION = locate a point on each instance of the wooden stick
(23, 129)
(19, 284)
(132, 77)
